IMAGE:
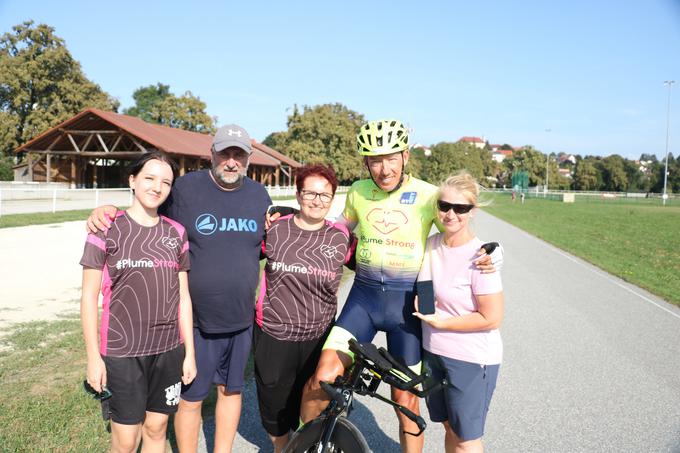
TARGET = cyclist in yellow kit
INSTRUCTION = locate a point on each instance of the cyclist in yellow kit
(394, 213)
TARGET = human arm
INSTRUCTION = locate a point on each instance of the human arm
(100, 218)
(96, 370)
(488, 316)
(275, 212)
(186, 327)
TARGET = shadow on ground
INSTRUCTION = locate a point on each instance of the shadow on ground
(253, 438)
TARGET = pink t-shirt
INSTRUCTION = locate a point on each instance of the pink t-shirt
(456, 281)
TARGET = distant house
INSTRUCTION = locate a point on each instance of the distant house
(92, 149)
(499, 155)
(564, 172)
(475, 141)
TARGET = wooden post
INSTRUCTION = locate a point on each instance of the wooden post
(74, 173)
(277, 174)
(94, 174)
(48, 168)
(30, 167)
(182, 166)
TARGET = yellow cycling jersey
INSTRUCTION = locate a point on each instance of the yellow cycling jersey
(392, 229)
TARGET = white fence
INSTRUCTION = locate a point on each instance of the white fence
(41, 199)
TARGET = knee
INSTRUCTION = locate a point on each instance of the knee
(156, 430)
(406, 399)
(189, 406)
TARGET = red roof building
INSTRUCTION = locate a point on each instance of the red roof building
(91, 149)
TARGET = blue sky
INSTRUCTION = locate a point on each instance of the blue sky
(590, 71)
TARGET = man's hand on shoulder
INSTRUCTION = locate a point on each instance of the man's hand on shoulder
(101, 218)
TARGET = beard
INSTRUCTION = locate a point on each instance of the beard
(230, 180)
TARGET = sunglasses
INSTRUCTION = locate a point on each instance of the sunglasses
(457, 208)
(103, 395)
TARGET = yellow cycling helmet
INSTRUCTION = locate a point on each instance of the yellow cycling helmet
(377, 138)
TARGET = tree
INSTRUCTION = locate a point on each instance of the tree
(41, 84)
(323, 133)
(156, 104)
(147, 102)
(614, 174)
(448, 158)
(586, 175)
(530, 160)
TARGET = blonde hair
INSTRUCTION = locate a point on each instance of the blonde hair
(464, 183)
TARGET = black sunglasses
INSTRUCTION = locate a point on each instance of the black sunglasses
(457, 208)
(103, 395)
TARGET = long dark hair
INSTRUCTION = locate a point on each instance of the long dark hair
(136, 166)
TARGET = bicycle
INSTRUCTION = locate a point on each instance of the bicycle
(332, 432)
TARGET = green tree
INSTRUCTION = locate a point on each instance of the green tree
(156, 104)
(186, 112)
(586, 175)
(614, 176)
(6, 173)
(323, 133)
(41, 84)
(147, 102)
(448, 158)
(530, 160)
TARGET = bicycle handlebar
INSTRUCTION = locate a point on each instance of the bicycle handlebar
(391, 370)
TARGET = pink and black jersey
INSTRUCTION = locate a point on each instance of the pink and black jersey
(297, 300)
(140, 284)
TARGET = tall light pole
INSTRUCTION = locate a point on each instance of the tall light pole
(669, 83)
(547, 167)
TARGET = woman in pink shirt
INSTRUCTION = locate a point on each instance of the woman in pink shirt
(461, 339)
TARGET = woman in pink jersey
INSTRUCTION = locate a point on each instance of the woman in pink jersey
(298, 300)
(145, 348)
(461, 339)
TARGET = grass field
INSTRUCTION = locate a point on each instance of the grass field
(638, 242)
(43, 406)
(41, 218)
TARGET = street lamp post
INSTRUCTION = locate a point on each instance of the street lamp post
(669, 83)
(547, 168)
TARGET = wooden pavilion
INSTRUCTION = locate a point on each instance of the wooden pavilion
(92, 149)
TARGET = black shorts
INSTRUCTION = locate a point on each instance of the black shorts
(281, 370)
(140, 384)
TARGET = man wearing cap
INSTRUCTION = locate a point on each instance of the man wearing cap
(223, 212)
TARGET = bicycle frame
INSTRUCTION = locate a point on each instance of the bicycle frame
(372, 366)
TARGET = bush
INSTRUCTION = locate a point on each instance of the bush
(6, 172)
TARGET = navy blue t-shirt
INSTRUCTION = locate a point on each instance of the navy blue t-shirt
(225, 231)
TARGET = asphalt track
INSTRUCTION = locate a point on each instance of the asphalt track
(592, 364)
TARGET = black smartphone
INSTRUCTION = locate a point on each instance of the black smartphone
(103, 395)
(425, 291)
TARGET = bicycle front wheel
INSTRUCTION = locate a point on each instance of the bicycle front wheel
(346, 438)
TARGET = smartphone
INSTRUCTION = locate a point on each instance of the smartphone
(103, 395)
(425, 291)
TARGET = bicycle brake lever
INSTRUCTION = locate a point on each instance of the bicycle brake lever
(334, 393)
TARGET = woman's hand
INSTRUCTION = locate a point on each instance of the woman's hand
(188, 370)
(432, 319)
(96, 374)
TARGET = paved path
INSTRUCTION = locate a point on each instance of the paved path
(591, 363)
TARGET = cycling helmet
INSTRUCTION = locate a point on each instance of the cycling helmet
(377, 138)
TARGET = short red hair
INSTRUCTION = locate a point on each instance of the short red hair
(323, 171)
